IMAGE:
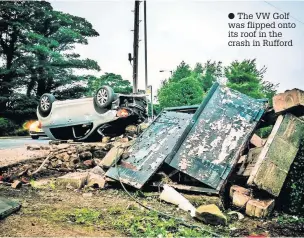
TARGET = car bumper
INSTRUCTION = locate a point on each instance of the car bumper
(37, 133)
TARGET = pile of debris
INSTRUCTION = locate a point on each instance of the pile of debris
(264, 168)
(211, 148)
(69, 156)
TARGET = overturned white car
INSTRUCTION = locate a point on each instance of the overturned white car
(107, 113)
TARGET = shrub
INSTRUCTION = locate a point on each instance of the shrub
(21, 132)
(6, 126)
(187, 91)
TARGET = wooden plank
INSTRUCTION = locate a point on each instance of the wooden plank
(250, 162)
(183, 187)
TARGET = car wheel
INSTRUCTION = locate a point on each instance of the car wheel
(104, 97)
(45, 104)
(35, 137)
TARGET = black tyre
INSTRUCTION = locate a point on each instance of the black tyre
(35, 137)
(45, 104)
(104, 97)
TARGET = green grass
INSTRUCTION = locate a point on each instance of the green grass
(288, 219)
(85, 216)
(134, 222)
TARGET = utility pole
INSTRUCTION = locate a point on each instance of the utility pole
(135, 47)
(146, 50)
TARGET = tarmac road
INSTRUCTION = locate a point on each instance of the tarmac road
(16, 142)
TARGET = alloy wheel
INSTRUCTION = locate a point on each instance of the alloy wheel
(45, 103)
(102, 96)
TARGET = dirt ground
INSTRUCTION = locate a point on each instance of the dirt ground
(111, 212)
(16, 155)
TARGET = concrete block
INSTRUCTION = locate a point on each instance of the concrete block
(259, 208)
(239, 189)
(76, 180)
(110, 158)
(96, 181)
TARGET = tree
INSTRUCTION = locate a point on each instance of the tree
(37, 54)
(115, 81)
(208, 74)
(246, 78)
(14, 23)
(187, 91)
(182, 71)
(50, 45)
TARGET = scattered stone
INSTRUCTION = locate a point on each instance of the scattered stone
(96, 180)
(112, 156)
(24, 180)
(143, 126)
(259, 208)
(86, 155)
(98, 170)
(33, 147)
(106, 139)
(123, 140)
(54, 142)
(99, 153)
(76, 180)
(63, 156)
(44, 147)
(16, 184)
(106, 147)
(63, 146)
(89, 163)
(70, 141)
(74, 158)
(131, 130)
(210, 214)
(239, 215)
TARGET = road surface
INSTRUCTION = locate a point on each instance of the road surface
(17, 142)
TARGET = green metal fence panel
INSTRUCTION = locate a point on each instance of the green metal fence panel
(221, 127)
(151, 148)
(7, 207)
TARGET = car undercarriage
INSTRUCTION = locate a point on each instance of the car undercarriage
(89, 119)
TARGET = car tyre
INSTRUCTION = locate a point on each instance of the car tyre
(35, 137)
(45, 104)
(104, 97)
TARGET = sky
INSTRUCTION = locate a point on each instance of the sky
(193, 31)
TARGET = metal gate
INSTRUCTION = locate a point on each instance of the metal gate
(210, 146)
